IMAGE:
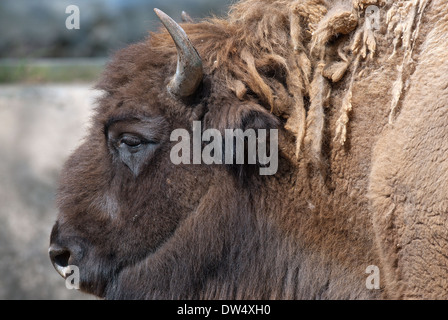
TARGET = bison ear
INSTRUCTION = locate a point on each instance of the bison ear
(254, 123)
(239, 116)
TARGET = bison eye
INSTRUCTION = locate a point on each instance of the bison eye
(134, 142)
(131, 141)
(134, 151)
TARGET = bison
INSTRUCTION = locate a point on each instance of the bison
(358, 91)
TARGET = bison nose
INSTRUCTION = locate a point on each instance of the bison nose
(60, 259)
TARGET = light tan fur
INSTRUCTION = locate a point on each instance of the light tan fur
(337, 61)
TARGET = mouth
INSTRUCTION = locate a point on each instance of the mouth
(63, 271)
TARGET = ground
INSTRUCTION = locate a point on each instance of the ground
(40, 126)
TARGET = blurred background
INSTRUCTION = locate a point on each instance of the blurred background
(46, 77)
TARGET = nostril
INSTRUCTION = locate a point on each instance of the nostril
(60, 258)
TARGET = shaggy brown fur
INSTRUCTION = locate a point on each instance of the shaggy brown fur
(309, 232)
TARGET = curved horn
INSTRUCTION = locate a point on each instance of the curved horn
(189, 72)
(186, 17)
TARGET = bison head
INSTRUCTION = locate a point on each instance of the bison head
(135, 224)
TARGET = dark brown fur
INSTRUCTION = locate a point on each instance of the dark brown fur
(198, 231)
